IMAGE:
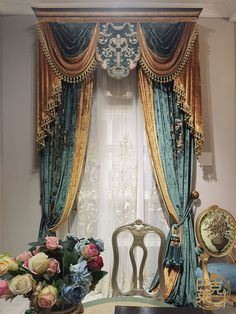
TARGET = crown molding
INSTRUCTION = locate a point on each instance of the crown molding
(211, 8)
(117, 14)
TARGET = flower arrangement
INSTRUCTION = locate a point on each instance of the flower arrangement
(54, 275)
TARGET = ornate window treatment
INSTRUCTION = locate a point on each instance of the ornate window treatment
(166, 54)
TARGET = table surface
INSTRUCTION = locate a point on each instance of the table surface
(107, 305)
(120, 309)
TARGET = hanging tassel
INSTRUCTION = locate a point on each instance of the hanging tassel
(174, 253)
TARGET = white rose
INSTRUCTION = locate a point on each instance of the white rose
(38, 264)
(21, 284)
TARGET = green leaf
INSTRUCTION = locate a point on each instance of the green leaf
(98, 275)
(92, 240)
(19, 271)
(59, 284)
(68, 259)
(29, 311)
(34, 244)
(69, 244)
(47, 277)
(6, 276)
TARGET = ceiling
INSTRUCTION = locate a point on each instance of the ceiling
(211, 8)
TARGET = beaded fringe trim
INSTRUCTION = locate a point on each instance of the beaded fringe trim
(181, 102)
(168, 78)
(45, 126)
(69, 79)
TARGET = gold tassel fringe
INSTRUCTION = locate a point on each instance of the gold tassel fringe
(164, 79)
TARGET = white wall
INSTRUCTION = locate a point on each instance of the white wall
(20, 177)
(1, 146)
(217, 183)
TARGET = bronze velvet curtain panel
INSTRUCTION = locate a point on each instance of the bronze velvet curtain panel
(169, 84)
(65, 64)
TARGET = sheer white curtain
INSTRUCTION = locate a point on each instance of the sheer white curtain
(117, 185)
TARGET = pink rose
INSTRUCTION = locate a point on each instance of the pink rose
(53, 266)
(25, 256)
(89, 250)
(96, 263)
(47, 297)
(4, 289)
(52, 243)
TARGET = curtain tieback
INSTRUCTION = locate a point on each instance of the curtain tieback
(174, 253)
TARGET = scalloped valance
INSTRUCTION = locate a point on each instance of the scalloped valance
(69, 51)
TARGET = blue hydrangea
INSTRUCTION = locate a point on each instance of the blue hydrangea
(80, 274)
(100, 245)
(79, 246)
(73, 294)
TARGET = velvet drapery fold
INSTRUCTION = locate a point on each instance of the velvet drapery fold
(169, 51)
(169, 85)
(66, 61)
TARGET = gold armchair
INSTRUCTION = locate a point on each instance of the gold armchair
(216, 234)
(139, 231)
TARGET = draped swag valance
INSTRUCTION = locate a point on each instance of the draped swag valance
(165, 51)
(163, 46)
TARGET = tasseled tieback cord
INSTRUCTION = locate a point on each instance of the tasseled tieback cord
(174, 256)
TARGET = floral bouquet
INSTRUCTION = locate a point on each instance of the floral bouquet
(54, 275)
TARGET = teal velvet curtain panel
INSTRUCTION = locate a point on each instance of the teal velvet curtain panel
(176, 151)
(57, 158)
(163, 38)
(72, 38)
(169, 56)
(66, 60)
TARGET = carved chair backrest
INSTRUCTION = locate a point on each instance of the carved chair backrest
(139, 230)
(216, 232)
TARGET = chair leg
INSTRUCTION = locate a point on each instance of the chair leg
(234, 303)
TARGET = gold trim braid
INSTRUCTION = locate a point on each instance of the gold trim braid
(197, 134)
(50, 114)
(85, 69)
(188, 91)
(48, 98)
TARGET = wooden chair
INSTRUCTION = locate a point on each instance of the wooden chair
(216, 234)
(139, 231)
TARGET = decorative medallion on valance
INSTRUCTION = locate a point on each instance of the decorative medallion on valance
(166, 51)
(118, 48)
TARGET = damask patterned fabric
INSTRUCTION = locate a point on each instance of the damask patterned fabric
(118, 48)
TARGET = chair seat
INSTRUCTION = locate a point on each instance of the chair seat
(226, 270)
